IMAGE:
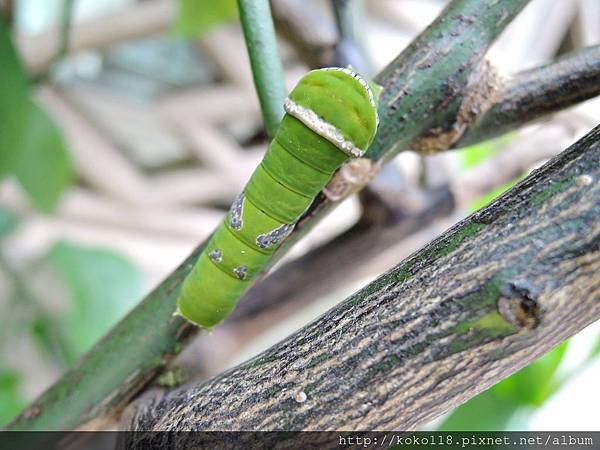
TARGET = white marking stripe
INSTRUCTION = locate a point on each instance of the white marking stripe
(309, 118)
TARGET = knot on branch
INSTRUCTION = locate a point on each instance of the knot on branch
(520, 308)
(480, 94)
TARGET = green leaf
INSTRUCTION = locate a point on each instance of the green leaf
(196, 17)
(30, 144)
(11, 400)
(475, 154)
(9, 221)
(103, 286)
(44, 168)
(14, 98)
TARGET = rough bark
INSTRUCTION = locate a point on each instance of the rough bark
(496, 291)
(426, 115)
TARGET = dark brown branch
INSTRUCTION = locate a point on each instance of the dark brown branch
(538, 92)
(493, 293)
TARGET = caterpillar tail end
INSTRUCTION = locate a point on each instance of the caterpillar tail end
(198, 320)
(178, 313)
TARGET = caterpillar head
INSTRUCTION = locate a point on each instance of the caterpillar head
(339, 105)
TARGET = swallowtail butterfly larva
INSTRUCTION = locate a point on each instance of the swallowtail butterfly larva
(331, 116)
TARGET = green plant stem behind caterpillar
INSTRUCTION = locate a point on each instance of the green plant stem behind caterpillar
(331, 115)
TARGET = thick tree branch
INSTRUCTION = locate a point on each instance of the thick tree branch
(538, 92)
(495, 292)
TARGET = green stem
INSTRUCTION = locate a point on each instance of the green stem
(267, 70)
(137, 347)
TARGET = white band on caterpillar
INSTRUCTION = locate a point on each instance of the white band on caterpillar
(309, 118)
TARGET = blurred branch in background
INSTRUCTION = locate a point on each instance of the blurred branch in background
(144, 18)
(7, 10)
(67, 24)
(313, 37)
(259, 33)
(349, 51)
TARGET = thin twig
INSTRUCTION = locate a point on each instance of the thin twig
(7, 12)
(267, 70)
(538, 92)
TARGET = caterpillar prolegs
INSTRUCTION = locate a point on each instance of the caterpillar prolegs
(331, 115)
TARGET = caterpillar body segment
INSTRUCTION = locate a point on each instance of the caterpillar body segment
(331, 116)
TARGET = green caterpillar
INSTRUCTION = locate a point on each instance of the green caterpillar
(331, 115)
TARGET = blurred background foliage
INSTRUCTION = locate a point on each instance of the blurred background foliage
(198, 17)
(97, 286)
(100, 284)
(31, 146)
